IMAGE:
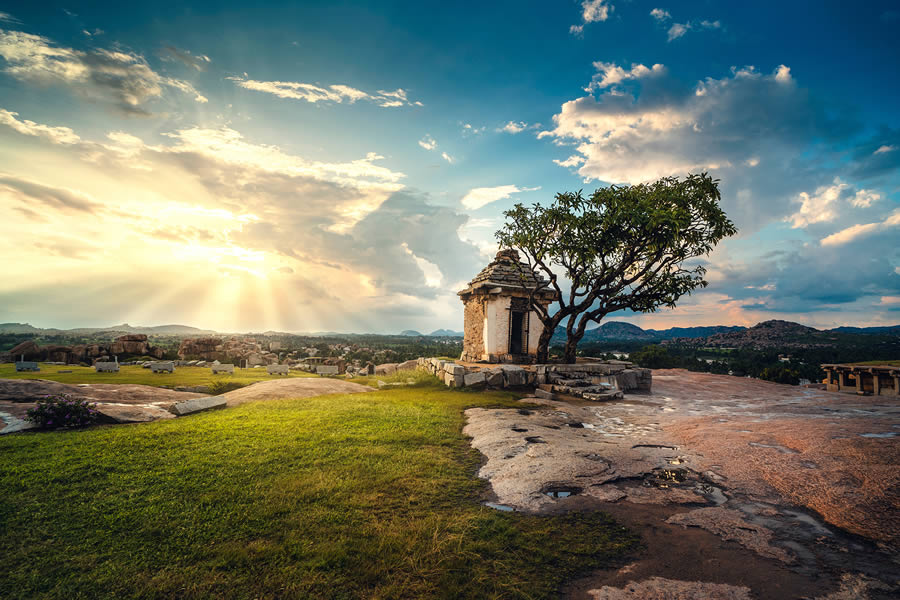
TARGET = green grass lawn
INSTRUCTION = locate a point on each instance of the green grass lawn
(139, 375)
(367, 495)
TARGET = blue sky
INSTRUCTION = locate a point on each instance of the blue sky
(343, 166)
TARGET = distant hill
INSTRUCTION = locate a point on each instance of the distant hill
(620, 330)
(889, 330)
(445, 333)
(692, 332)
(410, 333)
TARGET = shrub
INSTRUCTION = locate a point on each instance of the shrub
(217, 388)
(55, 412)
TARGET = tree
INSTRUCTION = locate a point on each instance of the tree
(624, 247)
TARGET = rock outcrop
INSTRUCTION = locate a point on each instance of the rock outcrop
(122, 346)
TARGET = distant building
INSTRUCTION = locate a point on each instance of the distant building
(878, 380)
(499, 324)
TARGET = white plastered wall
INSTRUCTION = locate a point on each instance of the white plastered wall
(496, 325)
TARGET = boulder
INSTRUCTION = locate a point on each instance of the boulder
(28, 348)
(386, 369)
(198, 405)
(513, 375)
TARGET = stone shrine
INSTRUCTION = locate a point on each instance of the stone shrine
(499, 322)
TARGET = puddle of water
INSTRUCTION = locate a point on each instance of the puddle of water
(675, 461)
(587, 426)
(781, 449)
(889, 434)
(712, 493)
(654, 446)
(560, 491)
(803, 518)
(502, 507)
(663, 478)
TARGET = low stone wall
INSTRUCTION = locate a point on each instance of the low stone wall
(592, 381)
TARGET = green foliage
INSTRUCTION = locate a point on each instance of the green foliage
(780, 375)
(624, 247)
(62, 412)
(653, 357)
(221, 386)
(351, 496)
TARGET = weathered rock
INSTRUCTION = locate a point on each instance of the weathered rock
(494, 377)
(28, 348)
(658, 588)
(513, 375)
(474, 379)
(198, 405)
(386, 369)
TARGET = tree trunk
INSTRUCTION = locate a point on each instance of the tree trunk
(571, 348)
(543, 346)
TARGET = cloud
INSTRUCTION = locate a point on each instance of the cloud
(469, 129)
(122, 78)
(29, 192)
(198, 62)
(865, 198)
(58, 135)
(767, 138)
(448, 158)
(819, 206)
(335, 94)
(609, 74)
(854, 232)
(428, 142)
(8, 18)
(677, 30)
(513, 127)
(479, 197)
(572, 161)
(591, 12)
(885, 148)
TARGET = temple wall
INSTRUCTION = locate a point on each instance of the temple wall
(473, 330)
(496, 325)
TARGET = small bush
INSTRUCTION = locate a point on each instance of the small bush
(217, 388)
(55, 412)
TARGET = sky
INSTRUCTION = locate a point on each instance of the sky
(343, 166)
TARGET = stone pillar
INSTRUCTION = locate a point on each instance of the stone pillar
(842, 380)
(859, 387)
(876, 383)
(897, 385)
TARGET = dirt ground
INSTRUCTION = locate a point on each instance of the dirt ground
(740, 488)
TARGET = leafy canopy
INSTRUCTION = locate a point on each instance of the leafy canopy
(624, 247)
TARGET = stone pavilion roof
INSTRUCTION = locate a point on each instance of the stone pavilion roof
(504, 272)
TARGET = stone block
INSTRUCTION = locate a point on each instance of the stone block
(198, 405)
(494, 377)
(513, 376)
(474, 379)
(539, 393)
(456, 369)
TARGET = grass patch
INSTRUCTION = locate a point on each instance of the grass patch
(139, 375)
(365, 495)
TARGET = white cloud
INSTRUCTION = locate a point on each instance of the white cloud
(428, 142)
(468, 128)
(609, 74)
(865, 198)
(591, 12)
(337, 93)
(884, 149)
(660, 14)
(572, 161)
(818, 207)
(479, 197)
(8, 18)
(856, 231)
(448, 158)
(514, 127)
(58, 135)
(118, 76)
(783, 74)
(677, 30)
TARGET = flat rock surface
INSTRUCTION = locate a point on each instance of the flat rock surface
(735, 481)
(295, 387)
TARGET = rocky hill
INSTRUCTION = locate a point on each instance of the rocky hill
(776, 334)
